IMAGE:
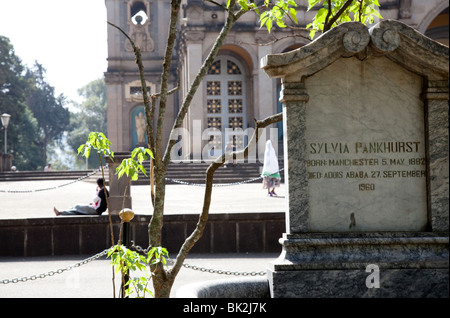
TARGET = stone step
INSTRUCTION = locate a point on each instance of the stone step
(196, 173)
(43, 175)
(183, 172)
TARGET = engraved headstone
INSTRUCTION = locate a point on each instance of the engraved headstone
(366, 154)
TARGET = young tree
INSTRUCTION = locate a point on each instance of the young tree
(280, 13)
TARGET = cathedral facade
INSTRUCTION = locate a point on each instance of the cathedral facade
(235, 90)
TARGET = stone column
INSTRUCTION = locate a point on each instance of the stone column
(294, 99)
(195, 116)
(5, 162)
(436, 96)
(117, 186)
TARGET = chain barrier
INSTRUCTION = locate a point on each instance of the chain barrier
(55, 187)
(218, 184)
(168, 179)
(58, 271)
(137, 248)
(202, 269)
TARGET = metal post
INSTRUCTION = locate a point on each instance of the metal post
(126, 215)
(5, 121)
(6, 147)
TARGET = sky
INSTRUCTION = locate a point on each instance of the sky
(67, 37)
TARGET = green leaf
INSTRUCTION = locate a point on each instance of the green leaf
(269, 25)
(293, 14)
(243, 4)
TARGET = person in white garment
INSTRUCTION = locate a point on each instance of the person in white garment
(271, 170)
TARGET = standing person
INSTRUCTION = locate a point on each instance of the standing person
(228, 151)
(96, 208)
(271, 174)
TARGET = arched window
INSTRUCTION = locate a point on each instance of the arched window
(225, 102)
(438, 28)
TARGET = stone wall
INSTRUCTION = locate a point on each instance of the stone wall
(225, 233)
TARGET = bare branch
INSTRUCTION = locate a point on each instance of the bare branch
(231, 19)
(149, 111)
(276, 39)
(328, 13)
(327, 26)
(217, 4)
(175, 8)
(203, 218)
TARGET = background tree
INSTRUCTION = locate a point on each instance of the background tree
(49, 110)
(23, 128)
(90, 116)
(279, 13)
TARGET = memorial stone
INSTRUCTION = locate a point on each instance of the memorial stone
(366, 155)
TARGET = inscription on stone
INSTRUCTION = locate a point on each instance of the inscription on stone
(365, 149)
(362, 180)
(393, 159)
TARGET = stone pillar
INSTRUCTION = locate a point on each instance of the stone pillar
(436, 96)
(5, 162)
(117, 186)
(294, 99)
(195, 116)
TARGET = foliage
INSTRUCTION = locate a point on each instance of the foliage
(37, 116)
(49, 110)
(280, 11)
(337, 12)
(96, 141)
(131, 167)
(90, 116)
(332, 12)
(22, 130)
(125, 260)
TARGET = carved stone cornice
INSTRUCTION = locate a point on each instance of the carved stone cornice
(393, 39)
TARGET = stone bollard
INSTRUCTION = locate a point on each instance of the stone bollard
(126, 215)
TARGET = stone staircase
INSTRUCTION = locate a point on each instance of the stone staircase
(196, 172)
(43, 175)
(192, 172)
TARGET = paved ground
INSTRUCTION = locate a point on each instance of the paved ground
(180, 199)
(95, 278)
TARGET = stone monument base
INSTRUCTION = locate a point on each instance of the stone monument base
(353, 265)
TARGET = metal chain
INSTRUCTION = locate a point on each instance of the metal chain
(137, 248)
(168, 179)
(202, 269)
(58, 271)
(219, 271)
(218, 184)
